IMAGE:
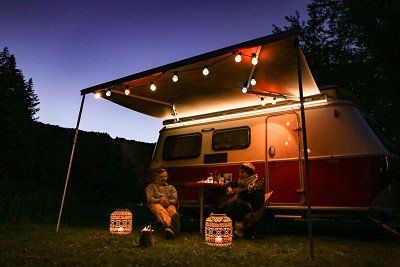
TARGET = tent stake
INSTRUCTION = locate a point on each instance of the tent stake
(70, 163)
(305, 149)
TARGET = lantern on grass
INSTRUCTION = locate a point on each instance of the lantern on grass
(218, 230)
(121, 222)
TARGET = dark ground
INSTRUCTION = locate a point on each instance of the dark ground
(278, 243)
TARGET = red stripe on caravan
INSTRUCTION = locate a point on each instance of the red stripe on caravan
(178, 175)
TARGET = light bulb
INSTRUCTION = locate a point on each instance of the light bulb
(244, 89)
(206, 71)
(97, 95)
(238, 57)
(263, 101)
(108, 93)
(254, 59)
(273, 101)
(253, 81)
(153, 87)
(127, 92)
(175, 78)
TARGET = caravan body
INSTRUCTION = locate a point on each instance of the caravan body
(348, 162)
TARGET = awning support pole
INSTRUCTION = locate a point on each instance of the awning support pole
(70, 162)
(305, 148)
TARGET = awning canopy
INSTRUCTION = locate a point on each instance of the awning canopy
(196, 94)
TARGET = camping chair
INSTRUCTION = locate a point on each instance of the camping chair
(253, 219)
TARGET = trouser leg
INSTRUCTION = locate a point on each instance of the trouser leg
(171, 209)
(162, 214)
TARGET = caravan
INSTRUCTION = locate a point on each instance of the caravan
(243, 104)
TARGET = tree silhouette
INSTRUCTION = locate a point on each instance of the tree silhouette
(18, 100)
(355, 44)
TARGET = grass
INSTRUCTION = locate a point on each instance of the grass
(286, 244)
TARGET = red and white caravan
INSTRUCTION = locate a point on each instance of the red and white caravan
(246, 108)
(348, 163)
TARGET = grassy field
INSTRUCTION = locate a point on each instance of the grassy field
(285, 244)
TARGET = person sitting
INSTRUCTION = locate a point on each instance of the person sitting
(245, 197)
(162, 200)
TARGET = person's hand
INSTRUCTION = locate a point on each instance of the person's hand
(165, 201)
(229, 191)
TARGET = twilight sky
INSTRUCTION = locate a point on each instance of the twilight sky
(65, 46)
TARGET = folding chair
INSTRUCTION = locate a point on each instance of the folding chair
(252, 220)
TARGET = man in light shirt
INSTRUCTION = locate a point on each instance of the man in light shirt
(162, 199)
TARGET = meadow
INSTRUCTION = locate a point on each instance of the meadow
(344, 243)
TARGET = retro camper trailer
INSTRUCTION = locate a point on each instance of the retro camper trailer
(242, 103)
(348, 163)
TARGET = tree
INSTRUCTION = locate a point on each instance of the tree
(354, 44)
(18, 100)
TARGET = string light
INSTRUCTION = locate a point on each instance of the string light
(97, 95)
(238, 57)
(175, 77)
(108, 93)
(263, 101)
(206, 71)
(253, 81)
(254, 59)
(273, 101)
(244, 89)
(153, 87)
(127, 92)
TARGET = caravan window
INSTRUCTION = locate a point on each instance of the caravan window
(232, 138)
(186, 146)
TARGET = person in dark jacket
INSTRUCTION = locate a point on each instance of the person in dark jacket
(246, 197)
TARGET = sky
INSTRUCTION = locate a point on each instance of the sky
(66, 46)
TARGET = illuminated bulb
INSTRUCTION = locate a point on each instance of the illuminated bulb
(206, 71)
(273, 101)
(308, 150)
(288, 123)
(254, 59)
(108, 93)
(153, 87)
(97, 95)
(286, 143)
(253, 81)
(127, 92)
(238, 57)
(263, 101)
(244, 89)
(175, 77)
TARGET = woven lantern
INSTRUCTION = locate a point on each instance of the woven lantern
(218, 230)
(121, 222)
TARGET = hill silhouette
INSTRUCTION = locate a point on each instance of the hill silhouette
(106, 174)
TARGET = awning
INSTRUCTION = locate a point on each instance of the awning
(196, 94)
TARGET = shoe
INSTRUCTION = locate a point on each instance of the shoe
(170, 234)
(176, 223)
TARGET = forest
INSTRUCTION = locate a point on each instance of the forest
(107, 173)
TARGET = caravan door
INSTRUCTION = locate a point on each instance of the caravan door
(283, 166)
